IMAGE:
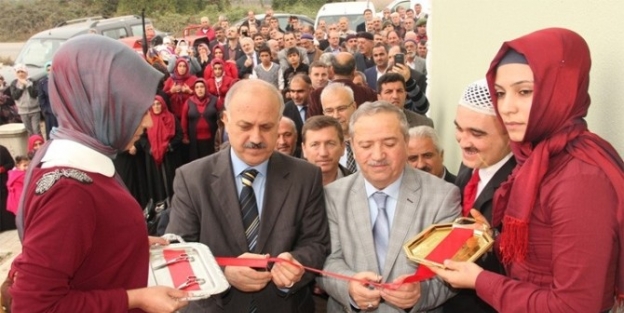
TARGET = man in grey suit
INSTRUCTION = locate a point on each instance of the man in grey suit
(279, 214)
(374, 212)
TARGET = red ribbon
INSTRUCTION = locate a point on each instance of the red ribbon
(445, 250)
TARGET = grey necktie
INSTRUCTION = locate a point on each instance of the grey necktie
(381, 229)
(350, 159)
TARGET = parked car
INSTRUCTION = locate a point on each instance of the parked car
(282, 18)
(41, 47)
(354, 11)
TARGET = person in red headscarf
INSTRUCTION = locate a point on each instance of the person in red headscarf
(34, 143)
(161, 144)
(179, 86)
(229, 67)
(562, 208)
(219, 84)
(199, 121)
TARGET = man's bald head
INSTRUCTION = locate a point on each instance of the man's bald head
(344, 64)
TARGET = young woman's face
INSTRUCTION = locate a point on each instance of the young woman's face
(157, 107)
(514, 86)
(182, 68)
(218, 70)
(200, 89)
(37, 145)
(218, 53)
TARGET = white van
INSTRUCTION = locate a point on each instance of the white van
(408, 4)
(354, 11)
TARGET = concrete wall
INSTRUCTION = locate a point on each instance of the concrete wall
(465, 36)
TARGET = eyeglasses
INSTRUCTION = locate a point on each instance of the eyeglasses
(340, 109)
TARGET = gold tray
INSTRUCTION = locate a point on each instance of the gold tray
(420, 246)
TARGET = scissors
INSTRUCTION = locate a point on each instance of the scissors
(190, 281)
(181, 258)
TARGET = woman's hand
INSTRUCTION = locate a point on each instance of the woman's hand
(459, 274)
(157, 299)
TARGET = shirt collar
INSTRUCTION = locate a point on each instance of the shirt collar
(238, 165)
(67, 153)
(485, 174)
(391, 190)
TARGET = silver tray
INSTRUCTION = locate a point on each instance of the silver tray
(186, 263)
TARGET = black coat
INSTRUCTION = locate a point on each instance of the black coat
(159, 179)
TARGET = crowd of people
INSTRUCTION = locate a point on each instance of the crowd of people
(313, 145)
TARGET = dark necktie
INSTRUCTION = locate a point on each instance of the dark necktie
(350, 160)
(249, 208)
(251, 222)
(381, 229)
(470, 193)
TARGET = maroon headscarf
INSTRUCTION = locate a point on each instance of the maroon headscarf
(177, 77)
(100, 105)
(220, 47)
(556, 124)
(203, 100)
(31, 142)
(161, 132)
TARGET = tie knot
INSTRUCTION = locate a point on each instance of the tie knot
(475, 175)
(249, 176)
(380, 199)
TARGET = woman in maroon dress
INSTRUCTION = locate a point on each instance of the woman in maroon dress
(84, 240)
(179, 86)
(199, 121)
(562, 208)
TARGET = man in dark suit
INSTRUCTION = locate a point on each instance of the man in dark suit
(391, 87)
(284, 214)
(343, 67)
(425, 153)
(486, 163)
(296, 108)
(368, 16)
(380, 56)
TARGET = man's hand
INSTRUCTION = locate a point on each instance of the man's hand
(286, 275)
(403, 297)
(360, 293)
(248, 62)
(402, 69)
(247, 279)
(459, 274)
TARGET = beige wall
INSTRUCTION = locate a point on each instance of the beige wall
(465, 36)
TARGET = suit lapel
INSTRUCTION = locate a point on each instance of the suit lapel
(404, 218)
(275, 192)
(499, 177)
(360, 215)
(224, 189)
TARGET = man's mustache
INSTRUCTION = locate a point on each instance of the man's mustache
(253, 145)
